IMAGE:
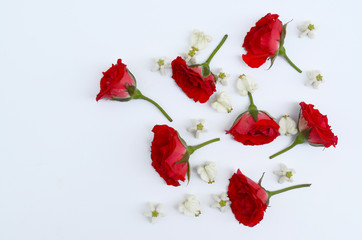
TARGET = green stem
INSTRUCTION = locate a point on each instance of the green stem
(301, 138)
(272, 193)
(216, 49)
(283, 53)
(192, 149)
(139, 95)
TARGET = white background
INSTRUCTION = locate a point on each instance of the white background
(72, 168)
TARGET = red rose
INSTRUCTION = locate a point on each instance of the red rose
(114, 82)
(119, 84)
(249, 200)
(250, 132)
(313, 128)
(192, 82)
(320, 132)
(266, 41)
(170, 154)
(262, 41)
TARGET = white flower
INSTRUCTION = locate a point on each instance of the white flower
(307, 29)
(287, 126)
(160, 65)
(221, 77)
(198, 127)
(207, 172)
(199, 40)
(246, 84)
(285, 173)
(315, 78)
(221, 201)
(190, 56)
(190, 207)
(222, 103)
(155, 212)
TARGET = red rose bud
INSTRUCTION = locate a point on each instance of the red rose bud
(119, 84)
(254, 127)
(313, 128)
(249, 200)
(170, 154)
(196, 81)
(266, 41)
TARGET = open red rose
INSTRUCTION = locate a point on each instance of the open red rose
(170, 154)
(249, 200)
(313, 128)
(196, 81)
(191, 80)
(266, 41)
(115, 81)
(254, 127)
(119, 84)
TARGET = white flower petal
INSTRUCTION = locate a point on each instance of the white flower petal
(246, 84)
(223, 103)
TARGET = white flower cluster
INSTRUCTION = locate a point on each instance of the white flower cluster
(285, 173)
(199, 41)
(190, 207)
(207, 172)
(160, 64)
(246, 84)
(222, 103)
(307, 29)
(155, 212)
(315, 78)
(287, 126)
(198, 127)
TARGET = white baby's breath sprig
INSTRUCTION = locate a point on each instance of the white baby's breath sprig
(222, 77)
(246, 84)
(160, 64)
(199, 40)
(315, 78)
(155, 212)
(222, 103)
(190, 207)
(285, 173)
(190, 56)
(307, 29)
(221, 201)
(287, 126)
(198, 127)
(207, 172)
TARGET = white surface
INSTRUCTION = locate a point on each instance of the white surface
(72, 168)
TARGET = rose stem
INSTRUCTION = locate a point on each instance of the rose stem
(272, 193)
(192, 149)
(299, 140)
(283, 53)
(139, 95)
(216, 49)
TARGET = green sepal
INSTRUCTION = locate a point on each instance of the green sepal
(205, 70)
(281, 49)
(261, 179)
(254, 113)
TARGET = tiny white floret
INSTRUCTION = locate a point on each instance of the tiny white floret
(190, 207)
(221, 201)
(160, 65)
(222, 103)
(315, 78)
(222, 77)
(246, 84)
(287, 126)
(198, 127)
(199, 40)
(207, 172)
(307, 29)
(285, 173)
(155, 212)
(190, 56)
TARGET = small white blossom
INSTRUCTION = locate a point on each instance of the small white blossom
(222, 103)
(287, 126)
(190, 56)
(190, 207)
(207, 172)
(307, 29)
(221, 201)
(199, 40)
(155, 212)
(315, 78)
(160, 65)
(198, 127)
(285, 174)
(246, 84)
(221, 77)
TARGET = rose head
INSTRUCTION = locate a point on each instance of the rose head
(248, 199)
(115, 81)
(320, 133)
(191, 80)
(262, 41)
(170, 154)
(250, 132)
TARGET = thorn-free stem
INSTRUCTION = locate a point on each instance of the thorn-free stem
(283, 53)
(272, 193)
(192, 149)
(299, 140)
(216, 49)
